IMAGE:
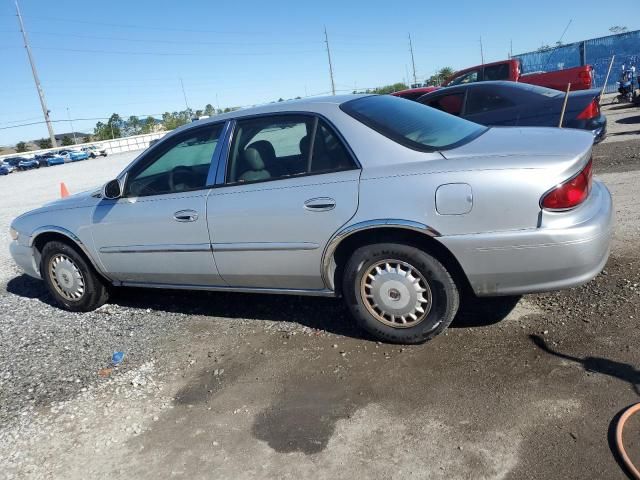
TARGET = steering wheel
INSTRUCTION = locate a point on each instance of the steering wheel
(180, 170)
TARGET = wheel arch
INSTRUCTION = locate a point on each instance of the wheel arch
(43, 235)
(346, 241)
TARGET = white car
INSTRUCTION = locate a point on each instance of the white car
(95, 151)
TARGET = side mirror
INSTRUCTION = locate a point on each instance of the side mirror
(112, 190)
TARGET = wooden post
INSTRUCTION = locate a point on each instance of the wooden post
(564, 105)
(607, 77)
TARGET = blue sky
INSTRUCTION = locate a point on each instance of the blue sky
(96, 58)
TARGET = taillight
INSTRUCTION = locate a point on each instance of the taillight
(571, 193)
(592, 111)
(586, 77)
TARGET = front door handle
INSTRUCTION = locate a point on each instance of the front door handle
(320, 204)
(185, 216)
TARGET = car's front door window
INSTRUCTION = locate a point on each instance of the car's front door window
(181, 165)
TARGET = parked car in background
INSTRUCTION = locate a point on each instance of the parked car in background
(94, 151)
(414, 93)
(392, 205)
(73, 155)
(580, 78)
(28, 164)
(6, 169)
(55, 160)
(14, 161)
(518, 104)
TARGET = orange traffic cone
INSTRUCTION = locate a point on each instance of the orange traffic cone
(64, 192)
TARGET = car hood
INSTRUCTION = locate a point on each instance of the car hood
(82, 199)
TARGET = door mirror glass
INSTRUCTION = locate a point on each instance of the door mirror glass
(112, 190)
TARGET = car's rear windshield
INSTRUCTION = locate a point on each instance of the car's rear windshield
(412, 124)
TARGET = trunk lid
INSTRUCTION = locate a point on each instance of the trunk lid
(558, 151)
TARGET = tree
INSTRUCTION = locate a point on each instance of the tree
(148, 125)
(176, 119)
(66, 141)
(209, 110)
(21, 147)
(618, 29)
(133, 125)
(441, 76)
(199, 113)
(544, 48)
(112, 129)
(44, 143)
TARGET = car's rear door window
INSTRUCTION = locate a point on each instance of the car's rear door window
(480, 100)
(451, 104)
(496, 72)
(412, 124)
(282, 146)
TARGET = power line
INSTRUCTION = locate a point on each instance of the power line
(169, 54)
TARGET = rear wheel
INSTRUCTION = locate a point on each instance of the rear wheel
(71, 280)
(399, 293)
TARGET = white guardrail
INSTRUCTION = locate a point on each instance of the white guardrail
(118, 145)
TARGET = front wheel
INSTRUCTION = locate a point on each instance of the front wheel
(399, 293)
(71, 280)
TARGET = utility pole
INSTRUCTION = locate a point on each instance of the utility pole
(511, 48)
(481, 51)
(413, 63)
(75, 142)
(186, 104)
(326, 41)
(43, 102)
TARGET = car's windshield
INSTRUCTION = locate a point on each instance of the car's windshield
(412, 124)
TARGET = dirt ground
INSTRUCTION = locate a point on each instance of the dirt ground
(218, 385)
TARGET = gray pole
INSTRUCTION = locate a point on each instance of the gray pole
(184, 95)
(481, 51)
(43, 102)
(326, 40)
(413, 63)
(75, 142)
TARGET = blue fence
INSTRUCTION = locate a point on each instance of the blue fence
(596, 52)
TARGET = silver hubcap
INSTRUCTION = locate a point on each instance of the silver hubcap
(396, 293)
(66, 277)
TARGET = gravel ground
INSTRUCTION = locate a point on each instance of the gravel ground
(220, 385)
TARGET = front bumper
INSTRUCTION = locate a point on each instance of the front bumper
(24, 257)
(560, 255)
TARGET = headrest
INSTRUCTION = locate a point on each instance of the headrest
(253, 158)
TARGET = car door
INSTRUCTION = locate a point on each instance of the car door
(289, 184)
(157, 231)
(490, 105)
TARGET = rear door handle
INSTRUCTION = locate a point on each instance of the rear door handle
(185, 216)
(320, 204)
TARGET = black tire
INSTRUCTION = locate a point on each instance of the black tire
(95, 291)
(445, 297)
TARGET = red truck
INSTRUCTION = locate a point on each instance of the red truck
(581, 78)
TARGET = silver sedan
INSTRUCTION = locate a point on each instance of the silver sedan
(394, 206)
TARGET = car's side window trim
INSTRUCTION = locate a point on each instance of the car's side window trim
(155, 153)
(217, 154)
(226, 153)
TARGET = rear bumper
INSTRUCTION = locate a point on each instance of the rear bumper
(540, 260)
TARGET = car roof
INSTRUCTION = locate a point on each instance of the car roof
(311, 105)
